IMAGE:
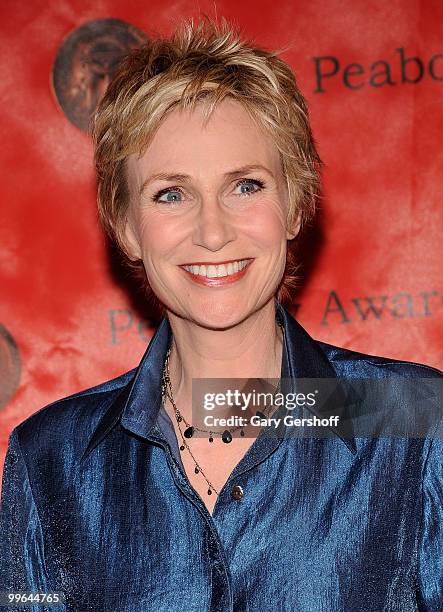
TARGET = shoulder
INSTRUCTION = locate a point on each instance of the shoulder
(349, 363)
(400, 397)
(72, 418)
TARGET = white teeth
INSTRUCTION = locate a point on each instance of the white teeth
(221, 270)
(213, 271)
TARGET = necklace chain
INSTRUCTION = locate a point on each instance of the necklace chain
(167, 392)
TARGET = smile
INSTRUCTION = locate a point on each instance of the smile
(218, 270)
(217, 274)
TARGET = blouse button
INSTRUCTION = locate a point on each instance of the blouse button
(237, 492)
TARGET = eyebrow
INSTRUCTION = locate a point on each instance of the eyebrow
(185, 178)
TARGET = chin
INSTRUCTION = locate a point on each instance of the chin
(219, 314)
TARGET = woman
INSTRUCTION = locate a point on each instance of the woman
(118, 496)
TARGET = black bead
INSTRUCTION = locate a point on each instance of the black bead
(242, 433)
(182, 447)
(189, 432)
(196, 470)
(211, 439)
(226, 436)
(209, 492)
(179, 419)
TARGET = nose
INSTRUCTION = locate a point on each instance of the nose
(214, 227)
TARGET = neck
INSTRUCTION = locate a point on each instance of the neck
(251, 349)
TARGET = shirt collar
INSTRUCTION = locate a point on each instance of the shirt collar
(138, 403)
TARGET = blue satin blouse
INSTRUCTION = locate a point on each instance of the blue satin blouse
(95, 504)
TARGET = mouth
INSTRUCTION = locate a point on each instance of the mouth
(209, 273)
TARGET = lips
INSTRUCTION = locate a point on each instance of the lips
(217, 274)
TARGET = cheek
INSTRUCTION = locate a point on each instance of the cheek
(267, 227)
(157, 235)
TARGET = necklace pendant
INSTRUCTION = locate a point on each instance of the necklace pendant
(211, 439)
(189, 432)
(209, 492)
(226, 436)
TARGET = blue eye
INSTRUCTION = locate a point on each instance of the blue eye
(245, 182)
(169, 191)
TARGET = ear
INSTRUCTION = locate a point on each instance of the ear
(131, 242)
(292, 231)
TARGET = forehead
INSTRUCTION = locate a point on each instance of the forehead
(188, 144)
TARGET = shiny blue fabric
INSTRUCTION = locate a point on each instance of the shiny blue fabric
(95, 504)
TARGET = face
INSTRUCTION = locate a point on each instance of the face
(207, 215)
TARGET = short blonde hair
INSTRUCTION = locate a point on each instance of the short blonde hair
(207, 61)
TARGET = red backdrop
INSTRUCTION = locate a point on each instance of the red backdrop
(373, 75)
